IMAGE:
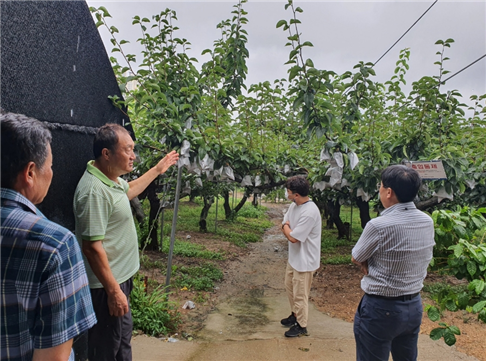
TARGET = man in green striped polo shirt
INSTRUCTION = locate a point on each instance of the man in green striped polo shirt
(106, 232)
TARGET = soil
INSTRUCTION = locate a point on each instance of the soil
(335, 289)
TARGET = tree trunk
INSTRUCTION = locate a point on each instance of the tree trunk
(153, 223)
(255, 200)
(226, 205)
(335, 211)
(424, 205)
(364, 211)
(203, 225)
(240, 204)
(137, 210)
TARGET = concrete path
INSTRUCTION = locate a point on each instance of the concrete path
(230, 334)
(245, 325)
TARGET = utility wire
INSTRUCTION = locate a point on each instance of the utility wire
(443, 82)
(430, 7)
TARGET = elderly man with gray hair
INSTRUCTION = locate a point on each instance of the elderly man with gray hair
(45, 300)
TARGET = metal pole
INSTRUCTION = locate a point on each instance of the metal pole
(351, 223)
(216, 220)
(162, 219)
(174, 223)
(162, 229)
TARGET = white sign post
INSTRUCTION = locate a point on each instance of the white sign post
(429, 170)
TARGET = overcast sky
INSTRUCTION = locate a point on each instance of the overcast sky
(343, 33)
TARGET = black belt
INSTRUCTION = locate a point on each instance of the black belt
(406, 297)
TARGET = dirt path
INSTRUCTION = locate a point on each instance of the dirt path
(245, 323)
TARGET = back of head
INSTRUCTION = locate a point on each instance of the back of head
(24, 140)
(107, 137)
(298, 184)
(404, 181)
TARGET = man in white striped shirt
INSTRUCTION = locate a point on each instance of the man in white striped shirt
(393, 252)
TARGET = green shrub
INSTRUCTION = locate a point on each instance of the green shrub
(152, 313)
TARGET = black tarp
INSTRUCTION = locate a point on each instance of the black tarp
(54, 67)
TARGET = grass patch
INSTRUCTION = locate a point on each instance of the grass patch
(252, 212)
(438, 288)
(197, 278)
(152, 312)
(248, 226)
(338, 251)
(187, 249)
(337, 259)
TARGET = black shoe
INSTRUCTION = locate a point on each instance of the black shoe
(289, 321)
(296, 331)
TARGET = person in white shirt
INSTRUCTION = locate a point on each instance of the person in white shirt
(302, 225)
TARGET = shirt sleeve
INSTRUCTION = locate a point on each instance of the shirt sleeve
(92, 213)
(303, 228)
(64, 303)
(367, 244)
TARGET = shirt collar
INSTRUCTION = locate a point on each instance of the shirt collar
(399, 206)
(100, 175)
(18, 199)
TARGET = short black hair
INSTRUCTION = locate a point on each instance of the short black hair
(24, 140)
(107, 137)
(404, 181)
(298, 184)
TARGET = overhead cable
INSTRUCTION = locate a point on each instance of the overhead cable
(430, 7)
(443, 82)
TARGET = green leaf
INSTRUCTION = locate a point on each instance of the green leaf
(482, 316)
(449, 337)
(451, 305)
(458, 249)
(471, 268)
(106, 14)
(437, 333)
(479, 306)
(309, 63)
(433, 314)
(281, 22)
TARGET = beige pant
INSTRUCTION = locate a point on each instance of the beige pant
(298, 285)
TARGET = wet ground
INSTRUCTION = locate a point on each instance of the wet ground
(245, 322)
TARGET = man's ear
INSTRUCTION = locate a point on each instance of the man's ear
(105, 152)
(27, 176)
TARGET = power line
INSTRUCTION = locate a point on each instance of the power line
(430, 7)
(469, 65)
(443, 82)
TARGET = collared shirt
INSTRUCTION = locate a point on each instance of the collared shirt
(45, 295)
(398, 247)
(306, 225)
(102, 212)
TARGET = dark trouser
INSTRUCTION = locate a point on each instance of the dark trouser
(382, 326)
(110, 338)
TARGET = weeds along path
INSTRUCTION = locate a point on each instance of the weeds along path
(245, 323)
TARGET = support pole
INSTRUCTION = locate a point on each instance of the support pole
(174, 224)
(351, 223)
(162, 220)
(216, 219)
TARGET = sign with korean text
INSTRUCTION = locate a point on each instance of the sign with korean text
(429, 169)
